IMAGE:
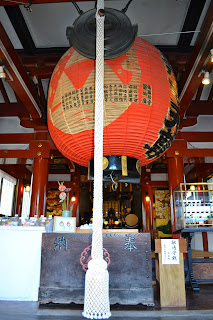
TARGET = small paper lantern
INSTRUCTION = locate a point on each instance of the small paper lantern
(141, 111)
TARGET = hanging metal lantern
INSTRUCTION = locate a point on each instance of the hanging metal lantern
(141, 114)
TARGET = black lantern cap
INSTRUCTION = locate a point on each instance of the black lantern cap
(118, 38)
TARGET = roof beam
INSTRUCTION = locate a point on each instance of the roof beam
(15, 109)
(179, 149)
(190, 23)
(19, 80)
(159, 184)
(43, 62)
(192, 153)
(190, 81)
(189, 122)
(195, 136)
(199, 171)
(18, 171)
(15, 138)
(197, 108)
(37, 149)
(19, 24)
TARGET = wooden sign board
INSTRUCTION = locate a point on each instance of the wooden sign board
(64, 260)
(171, 278)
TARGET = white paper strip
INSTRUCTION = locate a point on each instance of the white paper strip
(170, 251)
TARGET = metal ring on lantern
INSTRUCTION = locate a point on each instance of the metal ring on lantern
(114, 186)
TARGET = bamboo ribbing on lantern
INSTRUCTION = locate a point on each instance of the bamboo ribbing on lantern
(96, 300)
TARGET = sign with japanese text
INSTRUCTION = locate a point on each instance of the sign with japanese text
(170, 251)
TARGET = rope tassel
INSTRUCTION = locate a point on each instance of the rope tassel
(96, 299)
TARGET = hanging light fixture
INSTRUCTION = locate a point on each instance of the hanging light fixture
(192, 188)
(27, 188)
(73, 197)
(147, 197)
(206, 78)
(2, 73)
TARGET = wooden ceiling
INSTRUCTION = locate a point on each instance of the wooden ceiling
(26, 69)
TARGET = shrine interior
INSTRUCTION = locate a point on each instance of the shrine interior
(163, 198)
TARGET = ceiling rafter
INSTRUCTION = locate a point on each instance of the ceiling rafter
(190, 81)
(210, 95)
(199, 92)
(190, 23)
(20, 81)
(3, 92)
(41, 92)
(15, 15)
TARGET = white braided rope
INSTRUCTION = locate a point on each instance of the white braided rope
(97, 245)
(96, 299)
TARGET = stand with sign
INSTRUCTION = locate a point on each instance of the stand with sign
(170, 271)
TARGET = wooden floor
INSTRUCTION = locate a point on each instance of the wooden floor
(199, 306)
(202, 300)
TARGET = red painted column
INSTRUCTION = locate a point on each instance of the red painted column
(175, 177)
(39, 187)
(205, 241)
(147, 204)
(20, 190)
(76, 190)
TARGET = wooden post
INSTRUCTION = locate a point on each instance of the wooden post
(39, 187)
(205, 243)
(175, 176)
(171, 278)
(20, 190)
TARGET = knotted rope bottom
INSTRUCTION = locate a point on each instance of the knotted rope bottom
(96, 300)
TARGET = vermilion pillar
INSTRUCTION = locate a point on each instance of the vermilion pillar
(147, 203)
(39, 187)
(205, 241)
(76, 190)
(20, 190)
(175, 176)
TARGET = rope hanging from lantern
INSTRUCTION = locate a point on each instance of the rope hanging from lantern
(96, 299)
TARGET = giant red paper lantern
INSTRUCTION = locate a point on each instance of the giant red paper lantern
(141, 112)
